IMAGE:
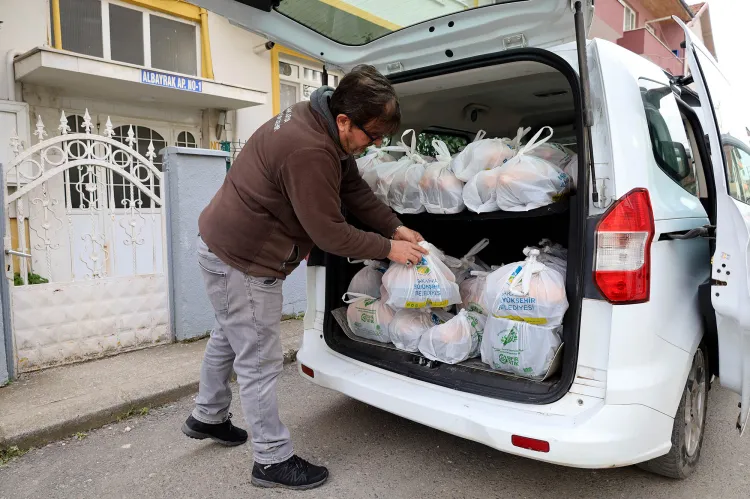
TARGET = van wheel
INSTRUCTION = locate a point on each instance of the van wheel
(689, 425)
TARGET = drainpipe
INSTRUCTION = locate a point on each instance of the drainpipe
(208, 69)
(56, 25)
(11, 79)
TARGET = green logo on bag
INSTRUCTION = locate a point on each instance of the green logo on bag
(510, 337)
(370, 302)
(507, 359)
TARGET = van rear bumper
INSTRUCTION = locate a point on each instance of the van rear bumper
(582, 431)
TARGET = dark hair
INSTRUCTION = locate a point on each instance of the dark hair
(365, 95)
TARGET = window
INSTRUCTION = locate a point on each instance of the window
(630, 21)
(738, 169)
(669, 141)
(186, 139)
(81, 24)
(172, 46)
(126, 34)
(122, 194)
(297, 82)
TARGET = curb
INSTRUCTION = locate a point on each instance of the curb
(38, 437)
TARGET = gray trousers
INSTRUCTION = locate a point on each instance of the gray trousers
(246, 337)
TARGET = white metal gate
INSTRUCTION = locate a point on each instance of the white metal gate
(85, 247)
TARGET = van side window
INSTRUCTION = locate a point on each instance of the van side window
(738, 171)
(669, 141)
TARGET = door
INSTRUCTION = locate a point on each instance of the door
(730, 292)
(399, 35)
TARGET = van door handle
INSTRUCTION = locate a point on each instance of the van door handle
(682, 235)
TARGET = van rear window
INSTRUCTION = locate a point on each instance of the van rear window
(669, 141)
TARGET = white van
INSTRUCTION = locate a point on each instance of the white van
(657, 234)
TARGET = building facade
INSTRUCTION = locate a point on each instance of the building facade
(646, 27)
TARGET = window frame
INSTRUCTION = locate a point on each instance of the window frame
(146, 24)
(625, 17)
(731, 170)
(658, 159)
(300, 81)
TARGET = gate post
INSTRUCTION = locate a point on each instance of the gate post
(7, 370)
(192, 177)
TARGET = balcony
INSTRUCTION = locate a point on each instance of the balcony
(646, 44)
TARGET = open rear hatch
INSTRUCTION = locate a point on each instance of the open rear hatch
(418, 41)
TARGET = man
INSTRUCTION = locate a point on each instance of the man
(282, 195)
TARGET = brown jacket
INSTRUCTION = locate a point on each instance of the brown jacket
(283, 194)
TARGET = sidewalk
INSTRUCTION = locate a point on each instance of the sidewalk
(55, 403)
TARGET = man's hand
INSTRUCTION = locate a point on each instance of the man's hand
(406, 234)
(405, 252)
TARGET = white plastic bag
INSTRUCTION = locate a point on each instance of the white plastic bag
(472, 292)
(369, 279)
(481, 155)
(429, 283)
(456, 340)
(368, 317)
(551, 254)
(480, 192)
(439, 189)
(374, 157)
(557, 154)
(408, 326)
(527, 182)
(527, 291)
(463, 266)
(398, 182)
(519, 348)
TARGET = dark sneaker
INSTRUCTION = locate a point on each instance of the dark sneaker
(224, 433)
(294, 473)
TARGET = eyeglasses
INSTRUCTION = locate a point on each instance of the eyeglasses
(372, 139)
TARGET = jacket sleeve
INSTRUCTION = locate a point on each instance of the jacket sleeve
(361, 201)
(310, 180)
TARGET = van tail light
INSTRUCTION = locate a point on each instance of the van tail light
(622, 267)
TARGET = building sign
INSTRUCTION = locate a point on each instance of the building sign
(170, 81)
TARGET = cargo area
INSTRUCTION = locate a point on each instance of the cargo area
(498, 95)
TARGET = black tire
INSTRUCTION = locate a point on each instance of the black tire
(679, 463)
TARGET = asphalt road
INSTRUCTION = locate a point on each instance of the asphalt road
(370, 454)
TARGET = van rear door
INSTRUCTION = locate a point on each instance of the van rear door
(730, 290)
(399, 35)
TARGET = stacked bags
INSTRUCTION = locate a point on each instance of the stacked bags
(397, 183)
(526, 302)
(528, 181)
(366, 164)
(411, 313)
(368, 317)
(455, 340)
(464, 266)
(408, 326)
(440, 190)
(368, 280)
(521, 183)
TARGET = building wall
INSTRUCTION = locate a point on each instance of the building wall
(25, 28)
(609, 13)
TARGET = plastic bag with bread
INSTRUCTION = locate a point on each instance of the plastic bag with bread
(527, 291)
(455, 341)
(527, 182)
(440, 190)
